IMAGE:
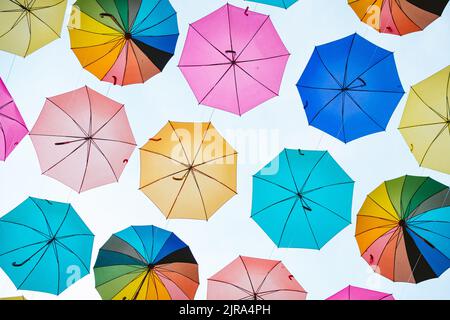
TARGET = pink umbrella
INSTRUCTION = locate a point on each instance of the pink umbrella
(254, 279)
(233, 59)
(83, 139)
(355, 293)
(12, 126)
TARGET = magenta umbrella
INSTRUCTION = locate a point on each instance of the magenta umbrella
(356, 293)
(233, 59)
(12, 126)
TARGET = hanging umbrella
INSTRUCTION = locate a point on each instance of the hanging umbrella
(277, 3)
(248, 278)
(350, 88)
(403, 229)
(44, 246)
(425, 124)
(14, 298)
(233, 59)
(188, 170)
(302, 199)
(12, 126)
(355, 293)
(146, 263)
(83, 139)
(123, 42)
(398, 17)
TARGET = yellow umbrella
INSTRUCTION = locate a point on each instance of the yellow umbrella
(14, 298)
(426, 119)
(28, 25)
(188, 170)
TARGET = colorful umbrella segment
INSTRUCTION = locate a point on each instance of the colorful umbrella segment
(350, 88)
(302, 199)
(14, 298)
(403, 229)
(356, 293)
(426, 122)
(276, 3)
(28, 25)
(233, 59)
(254, 279)
(123, 42)
(83, 139)
(398, 17)
(12, 126)
(44, 246)
(188, 170)
(146, 263)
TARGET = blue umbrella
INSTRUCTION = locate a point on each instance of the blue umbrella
(302, 199)
(350, 88)
(277, 3)
(44, 246)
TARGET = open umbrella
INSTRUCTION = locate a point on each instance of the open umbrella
(233, 59)
(123, 42)
(44, 246)
(146, 263)
(302, 199)
(356, 293)
(425, 124)
(248, 278)
(14, 298)
(403, 229)
(188, 170)
(83, 139)
(277, 3)
(12, 126)
(350, 88)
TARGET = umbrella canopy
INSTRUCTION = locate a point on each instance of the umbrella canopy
(248, 278)
(403, 229)
(350, 88)
(123, 42)
(233, 59)
(146, 263)
(356, 293)
(14, 298)
(83, 139)
(12, 127)
(302, 199)
(188, 170)
(398, 17)
(28, 25)
(277, 3)
(425, 124)
(44, 246)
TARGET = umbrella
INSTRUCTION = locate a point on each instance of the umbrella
(44, 246)
(123, 42)
(248, 278)
(146, 263)
(12, 126)
(14, 298)
(83, 139)
(356, 293)
(188, 170)
(350, 88)
(425, 124)
(398, 17)
(403, 229)
(302, 199)
(233, 59)
(277, 3)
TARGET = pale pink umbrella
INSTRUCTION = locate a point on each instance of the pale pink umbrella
(233, 59)
(356, 293)
(12, 126)
(83, 139)
(249, 278)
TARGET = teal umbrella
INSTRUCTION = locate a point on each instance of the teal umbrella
(277, 3)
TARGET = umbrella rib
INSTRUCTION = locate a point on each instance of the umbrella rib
(422, 125)
(328, 209)
(146, 17)
(369, 68)
(363, 111)
(162, 275)
(317, 88)
(139, 64)
(264, 293)
(65, 157)
(22, 247)
(165, 177)
(273, 204)
(248, 274)
(139, 259)
(399, 237)
(236, 90)
(201, 143)
(116, 34)
(253, 37)
(107, 160)
(430, 231)
(367, 10)
(76, 235)
(427, 105)
(286, 222)
(327, 186)
(396, 218)
(27, 15)
(63, 220)
(215, 159)
(6, 104)
(432, 143)
(179, 140)
(45, 23)
(120, 42)
(220, 182)
(231, 284)
(4, 139)
(342, 117)
(348, 59)
(136, 293)
(159, 267)
(389, 240)
(26, 226)
(46, 7)
(122, 275)
(290, 170)
(143, 245)
(44, 216)
(19, 19)
(115, 39)
(55, 251)
(266, 276)
(402, 212)
(72, 252)
(375, 217)
(218, 50)
(415, 192)
(178, 194)
(263, 59)
(67, 114)
(276, 94)
(155, 24)
(12, 119)
(90, 111)
(426, 241)
(113, 140)
(443, 202)
(216, 84)
(409, 18)
(278, 185)
(323, 108)
(203, 65)
(201, 196)
(311, 171)
(108, 121)
(34, 267)
(328, 70)
(88, 151)
(447, 97)
(378, 227)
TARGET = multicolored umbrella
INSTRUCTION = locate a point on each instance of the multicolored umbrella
(28, 25)
(254, 279)
(356, 293)
(83, 139)
(146, 263)
(302, 199)
(188, 170)
(12, 126)
(425, 124)
(233, 59)
(398, 17)
(350, 88)
(123, 42)
(276, 3)
(44, 246)
(403, 229)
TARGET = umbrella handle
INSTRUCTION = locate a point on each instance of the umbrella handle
(16, 264)
(246, 11)
(109, 15)
(300, 152)
(155, 139)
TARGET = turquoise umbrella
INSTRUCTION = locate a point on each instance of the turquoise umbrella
(302, 199)
(277, 3)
